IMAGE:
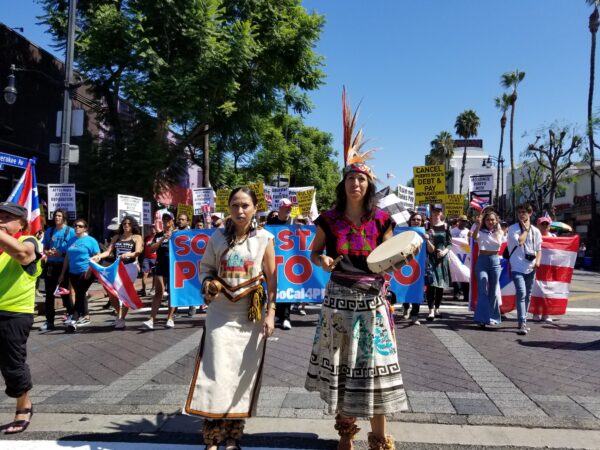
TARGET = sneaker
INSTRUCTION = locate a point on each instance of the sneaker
(141, 293)
(170, 324)
(286, 325)
(415, 321)
(83, 322)
(46, 326)
(191, 311)
(67, 319)
(302, 312)
(120, 324)
(523, 330)
(537, 318)
(203, 308)
(547, 319)
(72, 327)
(149, 324)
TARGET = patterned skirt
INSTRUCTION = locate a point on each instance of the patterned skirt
(354, 361)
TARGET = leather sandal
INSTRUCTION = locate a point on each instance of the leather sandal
(21, 424)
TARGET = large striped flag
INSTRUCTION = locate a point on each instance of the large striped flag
(390, 203)
(117, 282)
(25, 194)
(550, 291)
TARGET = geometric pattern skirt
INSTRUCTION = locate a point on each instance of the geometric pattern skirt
(354, 361)
(227, 373)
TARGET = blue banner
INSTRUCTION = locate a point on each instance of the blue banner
(298, 280)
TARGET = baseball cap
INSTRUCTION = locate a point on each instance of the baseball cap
(285, 203)
(543, 219)
(14, 208)
(114, 224)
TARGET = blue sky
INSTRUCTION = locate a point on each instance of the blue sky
(417, 64)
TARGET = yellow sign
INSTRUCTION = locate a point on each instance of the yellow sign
(454, 205)
(305, 199)
(429, 183)
(295, 212)
(222, 199)
(259, 191)
(188, 210)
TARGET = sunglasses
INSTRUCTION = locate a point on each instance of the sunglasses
(126, 223)
(79, 225)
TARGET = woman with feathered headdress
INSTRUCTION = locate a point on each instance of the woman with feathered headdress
(354, 360)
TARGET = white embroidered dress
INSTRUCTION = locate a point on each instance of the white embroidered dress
(226, 379)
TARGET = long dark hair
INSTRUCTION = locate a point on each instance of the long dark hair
(135, 227)
(229, 225)
(412, 216)
(369, 202)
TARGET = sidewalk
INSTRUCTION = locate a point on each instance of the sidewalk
(463, 383)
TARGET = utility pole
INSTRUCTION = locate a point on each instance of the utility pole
(65, 148)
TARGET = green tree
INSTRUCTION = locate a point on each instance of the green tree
(502, 103)
(554, 155)
(199, 67)
(511, 80)
(441, 152)
(466, 126)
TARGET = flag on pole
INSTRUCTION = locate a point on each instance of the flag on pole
(117, 282)
(25, 194)
(478, 202)
(390, 175)
(390, 203)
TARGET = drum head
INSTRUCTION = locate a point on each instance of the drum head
(394, 251)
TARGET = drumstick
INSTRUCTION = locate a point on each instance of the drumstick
(338, 259)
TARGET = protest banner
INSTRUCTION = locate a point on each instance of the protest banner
(259, 191)
(407, 196)
(481, 183)
(62, 196)
(408, 282)
(201, 197)
(128, 205)
(222, 199)
(430, 184)
(304, 199)
(147, 213)
(182, 208)
(454, 205)
(298, 280)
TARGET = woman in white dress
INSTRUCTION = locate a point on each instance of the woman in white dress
(226, 381)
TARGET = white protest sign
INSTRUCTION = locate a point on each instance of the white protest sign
(478, 183)
(147, 213)
(273, 194)
(407, 196)
(128, 205)
(62, 196)
(201, 197)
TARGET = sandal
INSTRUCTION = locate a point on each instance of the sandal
(22, 424)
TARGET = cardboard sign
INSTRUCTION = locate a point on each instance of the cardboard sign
(128, 205)
(430, 184)
(454, 205)
(407, 196)
(147, 213)
(304, 199)
(478, 183)
(201, 197)
(273, 194)
(222, 199)
(182, 208)
(259, 191)
(62, 196)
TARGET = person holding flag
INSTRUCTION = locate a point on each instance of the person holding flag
(19, 268)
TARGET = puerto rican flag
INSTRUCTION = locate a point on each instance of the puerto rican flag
(25, 194)
(116, 281)
(550, 291)
(478, 202)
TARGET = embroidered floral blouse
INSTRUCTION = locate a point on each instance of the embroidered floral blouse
(354, 243)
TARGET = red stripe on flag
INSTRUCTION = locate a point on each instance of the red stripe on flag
(554, 273)
(568, 244)
(509, 302)
(132, 294)
(548, 306)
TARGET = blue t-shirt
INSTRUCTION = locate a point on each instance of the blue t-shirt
(80, 253)
(57, 239)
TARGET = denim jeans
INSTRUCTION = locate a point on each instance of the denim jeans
(523, 284)
(488, 270)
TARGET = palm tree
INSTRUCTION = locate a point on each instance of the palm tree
(442, 150)
(512, 80)
(466, 125)
(593, 26)
(502, 103)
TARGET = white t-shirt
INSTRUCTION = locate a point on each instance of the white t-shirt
(458, 233)
(489, 241)
(532, 245)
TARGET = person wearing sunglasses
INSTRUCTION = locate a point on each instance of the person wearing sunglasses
(127, 245)
(77, 264)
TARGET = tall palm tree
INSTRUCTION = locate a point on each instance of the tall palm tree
(466, 125)
(442, 150)
(511, 80)
(502, 103)
(593, 26)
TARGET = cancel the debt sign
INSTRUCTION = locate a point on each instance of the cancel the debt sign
(298, 280)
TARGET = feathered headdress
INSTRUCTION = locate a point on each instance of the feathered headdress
(354, 160)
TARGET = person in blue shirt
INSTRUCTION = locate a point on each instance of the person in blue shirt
(56, 241)
(77, 262)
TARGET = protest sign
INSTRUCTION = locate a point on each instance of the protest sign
(304, 199)
(128, 205)
(407, 196)
(182, 208)
(201, 197)
(430, 184)
(480, 183)
(454, 205)
(147, 213)
(259, 191)
(222, 199)
(62, 196)
(274, 194)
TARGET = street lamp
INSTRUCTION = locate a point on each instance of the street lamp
(10, 91)
(489, 163)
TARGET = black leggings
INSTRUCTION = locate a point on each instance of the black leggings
(81, 286)
(14, 331)
(434, 296)
(53, 270)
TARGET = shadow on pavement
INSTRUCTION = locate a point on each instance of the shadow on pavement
(562, 345)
